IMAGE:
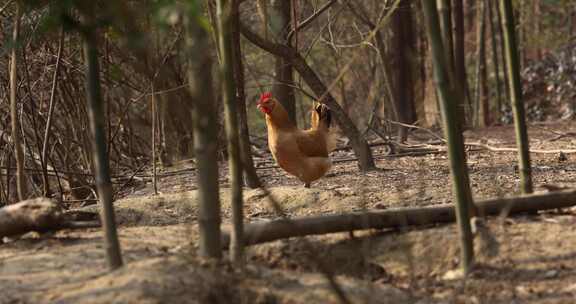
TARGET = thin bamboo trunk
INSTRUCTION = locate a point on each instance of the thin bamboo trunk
(100, 159)
(51, 108)
(21, 186)
(224, 16)
(153, 110)
(458, 167)
(513, 71)
(205, 123)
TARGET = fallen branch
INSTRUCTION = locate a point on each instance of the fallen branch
(417, 152)
(559, 135)
(286, 228)
(371, 145)
(421, 152)
(496, 149)
(438, 137)
(41, 215)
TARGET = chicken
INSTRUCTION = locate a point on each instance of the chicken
(302, 153)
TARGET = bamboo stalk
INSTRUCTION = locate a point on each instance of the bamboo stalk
(21, 186)
(205, 124)
(99, 150)
(224, 16)
(513, 71)
(154, 131)
(51, 108)
(458, 168)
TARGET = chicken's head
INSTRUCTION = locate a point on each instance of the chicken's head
(266, 103)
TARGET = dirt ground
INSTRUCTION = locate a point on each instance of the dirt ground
(533, 261)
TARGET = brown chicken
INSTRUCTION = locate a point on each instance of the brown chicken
(302, 153)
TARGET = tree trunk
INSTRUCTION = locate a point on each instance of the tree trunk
(536, 28)
(455, 141)
(21, 186)
(404, 52)
(445, 13)
(250, 176)
(224, 16)
(482, 113)
(503, 52)
(205, 123)
(513, 71)
(460, 59)
(430, 102)
(358, 143)
(495, 60)
(521, 34)
(99, 150)
(283, 88)
(470, 13)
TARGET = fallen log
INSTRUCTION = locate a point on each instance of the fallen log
(294, 227)
(41, 215)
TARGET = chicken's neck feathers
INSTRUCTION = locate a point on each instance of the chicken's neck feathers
(279, 118)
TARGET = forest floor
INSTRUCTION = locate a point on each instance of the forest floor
(535, 261)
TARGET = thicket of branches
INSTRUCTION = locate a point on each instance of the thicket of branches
(386, 62)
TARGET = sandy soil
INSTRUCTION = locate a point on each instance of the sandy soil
(534, 262)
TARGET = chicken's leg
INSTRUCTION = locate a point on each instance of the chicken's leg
(307, 185)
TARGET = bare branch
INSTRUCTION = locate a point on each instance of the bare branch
(309, 20)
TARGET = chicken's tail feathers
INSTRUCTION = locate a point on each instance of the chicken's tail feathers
(321, 119)
(321, 116)
(314, 117)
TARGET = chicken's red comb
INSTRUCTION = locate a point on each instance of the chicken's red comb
(265, 96)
